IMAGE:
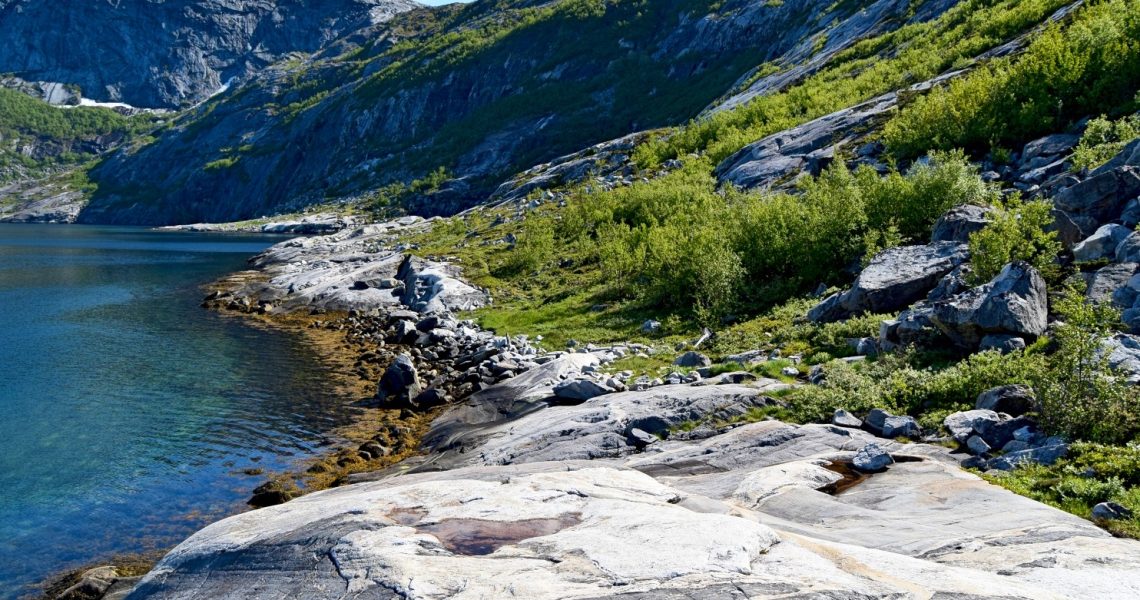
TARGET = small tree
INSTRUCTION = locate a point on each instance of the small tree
(1080, 395)
(1019, 231)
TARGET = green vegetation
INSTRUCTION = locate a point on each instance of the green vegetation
(679, 249)
(664, 243)
(867, 69)
(1080, 395)
(1090, 474)
(1070, 70)
(1103, 139)
(1019, 231)
(61, 136)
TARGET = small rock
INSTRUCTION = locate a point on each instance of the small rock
(400, 380)
(895, 427)
(651, 327)
(1044, 455)
(975, 462)
(1003, 343)
(843, 418)
(976, 445)
(580, 390)
(871, 459)
(1110, 511)
(642, 438)
(790, 372)
(693, 359)
(1015, 446)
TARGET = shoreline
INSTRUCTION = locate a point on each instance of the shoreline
(353, 372)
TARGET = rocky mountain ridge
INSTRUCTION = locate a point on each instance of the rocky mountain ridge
(170, 54)
(543, 80)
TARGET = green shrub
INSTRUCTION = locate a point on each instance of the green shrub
(870, 67)
(1103, 139)
(1080, 397)
(1088, 475)
(1068, 71)
(678, 243)
(1019, 231)
(533, 248)
(894, 383)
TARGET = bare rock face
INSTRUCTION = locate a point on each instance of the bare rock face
(489, 116)
(1014, 302)
(744, 514)
(173, 53)
(359, 269)
(895, 278)
(806, 148)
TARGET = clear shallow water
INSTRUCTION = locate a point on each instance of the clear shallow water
(128, 413)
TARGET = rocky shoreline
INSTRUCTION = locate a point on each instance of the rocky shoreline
(486, 466)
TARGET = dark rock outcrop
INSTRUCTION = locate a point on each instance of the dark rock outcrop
(1014, 302)
(959, 222)
(173, 53)
(894, 279)
(341, 128)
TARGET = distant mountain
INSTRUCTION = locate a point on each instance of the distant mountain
(480, 90)
(169, 53)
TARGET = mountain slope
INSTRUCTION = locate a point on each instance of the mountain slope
(171, 53)
(482, 91)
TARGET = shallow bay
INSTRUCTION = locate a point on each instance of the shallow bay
(128, 414)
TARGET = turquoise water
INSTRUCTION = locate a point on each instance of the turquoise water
(127, 412)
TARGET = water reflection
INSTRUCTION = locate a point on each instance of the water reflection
(127, 413)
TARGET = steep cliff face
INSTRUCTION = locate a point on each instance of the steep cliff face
(169, 53)
(481, 90)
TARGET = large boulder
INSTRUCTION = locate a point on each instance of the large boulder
(1014, 302)
(1105, 284)
(959, 222)
(692, 359)
(1014, 400)
(1100, 198)
(1128, 250)
(1102, 243)
(896, 278)
(1123, 352)
(400, 382)
(1049, 146)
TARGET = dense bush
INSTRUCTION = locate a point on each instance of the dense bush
(1019, 231)
(679, 243)
(894, 383)
(1103, 139)
(1079, 394)
(1070, 70)
(908, 55)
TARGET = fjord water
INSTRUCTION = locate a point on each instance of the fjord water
(128, 414)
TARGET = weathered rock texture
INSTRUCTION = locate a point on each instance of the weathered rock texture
(339, 128)
(739, 515)
(169, 53)
(358, 269)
